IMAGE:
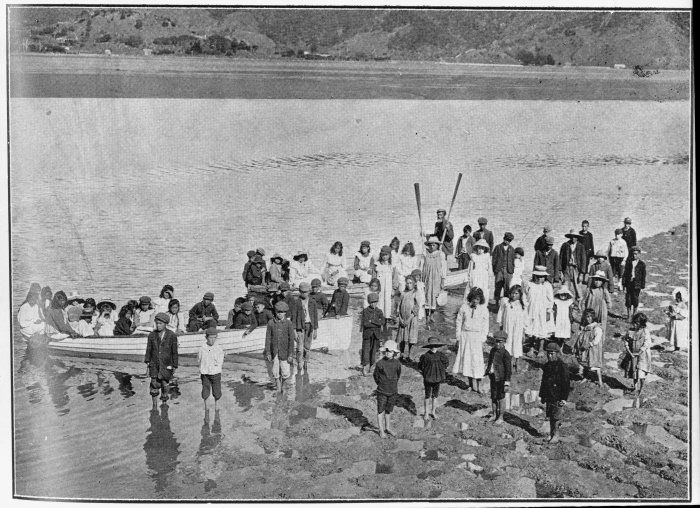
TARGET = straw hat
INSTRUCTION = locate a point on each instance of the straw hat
(432, 239)
(540, 271)
(600, 274)
(481, 243)
(390, 345)
(573, 234)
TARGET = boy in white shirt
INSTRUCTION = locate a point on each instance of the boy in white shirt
(211, 360)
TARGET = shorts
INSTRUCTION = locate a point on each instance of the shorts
(632, 297)
(280, 368)
(498, 388)
(554, 411)
(385, 403)
(432, 390)
(211, 383)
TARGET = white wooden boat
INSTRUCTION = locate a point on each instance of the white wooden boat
(333, 334)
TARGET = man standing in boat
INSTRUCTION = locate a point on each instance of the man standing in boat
(161, 357)
(444, 226)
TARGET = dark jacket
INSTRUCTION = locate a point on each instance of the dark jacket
(500, 360)
(161, 354)
(576, 256)
(321, 302)
(297, 317)
(629, 236)
(550, 260)
(339, 303)
(386, 375)
(587, 242)
(640, 274)
(486, 235)
(447, 246)
(541, 243)
(280, 338)
(555, 382)
(197, 315)
(433, 366)
(501, 258)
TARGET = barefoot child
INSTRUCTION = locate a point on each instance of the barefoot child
(386, 374)
(589, 345)
(554, 389)
(210, 358)
(433, 366)
(637, 362)
(407, 319)
(511, 318)
(498, 370)
(280, 342)
(371, 323)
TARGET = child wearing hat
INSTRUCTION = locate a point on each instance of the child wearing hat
(601, 265)
(433, 366)
(479, 268)
(554, 389)
(634, 280)
(540, 301)
(279, 345)
(245, 319)
(363, 266)
(387, 372)
(407, 319)
(371, 323)
(563, 315)
(511, 317)
(210, 359)
(617, 254)
(202, 313)
(598, 298)
(339, 301)
(465, 244)
(498, 370)
(161, 357)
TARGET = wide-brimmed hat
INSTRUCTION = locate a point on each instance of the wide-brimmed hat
(433, 342)
(552, 347)
(390, 345)
(563, 291)
(432, 239)
(600, 274)
(300, 254)
(107, 302)
(601, 254)
(573, 234)
(500, 336)
(481, 243)
(540, 271)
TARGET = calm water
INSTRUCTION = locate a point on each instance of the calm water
(115, 198)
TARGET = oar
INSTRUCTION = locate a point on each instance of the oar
(416, 187)
(454, 196)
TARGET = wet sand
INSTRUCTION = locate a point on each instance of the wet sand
(119, 76)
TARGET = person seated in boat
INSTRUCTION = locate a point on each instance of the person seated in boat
(335, 266)
(104, 325)
(364, 264)
(89, 311)
(74, 300)
(57, 326)
(407, 262)
(162, 303)
(275, 277)
(235, 311)
(339, 301)
(79, 326)
(176, 323)
(124, 325)
(256, 272)
(319, 296)
(202, 314)
(143, 316)
(250, 254)
(29, 315)
(45, 300)
(245, 318)
(301, 270)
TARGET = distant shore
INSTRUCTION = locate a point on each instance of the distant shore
(122, 76)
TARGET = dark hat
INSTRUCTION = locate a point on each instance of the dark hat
(208, 296)
(552, 347)
(636, 249)
(247, 306)
(284, 286)
(304, 287)
(364, 243)
(500, 336)
(281, 307)
(162, 316)
(145, 299)
(549, 240)
(372, 298)
(573, 234)
(212, 330)
(628, 220)
(433, 342)
(482, 220)
(519, 250)
(508, 237)
(343, 281)
(316, 283)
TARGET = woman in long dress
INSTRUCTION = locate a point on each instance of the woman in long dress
(511, 318)
(434, 268)
(479, 268)
(540, 300)
(385, 272)
(335, 266)
(678, 314)
(472, 326)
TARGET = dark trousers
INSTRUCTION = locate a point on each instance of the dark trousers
(370, 345)
(304, 343)
(502, 282)
(211, 383)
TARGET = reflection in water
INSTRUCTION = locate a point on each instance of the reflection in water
(161, 447)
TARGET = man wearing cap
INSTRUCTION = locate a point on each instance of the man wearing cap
(601, 265)
(573, 265)
(554, 389)
(633, 280)
(484, 233)
(541, 242)
(279, 344)
(304, 317)
(503, 262)
(548, 258)
(629, 235)
(161, 357)
(202, 314)
(587, 241)
(443, 226)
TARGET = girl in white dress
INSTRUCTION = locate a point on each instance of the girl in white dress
(678, 314)
(479, 268)
(364, 264)
(335, 267)
(385, 274)
(511, 318)
(540, 323)
(472, 326)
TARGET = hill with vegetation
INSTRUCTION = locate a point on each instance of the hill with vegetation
(647, 39)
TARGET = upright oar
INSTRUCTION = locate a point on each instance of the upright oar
(454, 196)
(416, 187)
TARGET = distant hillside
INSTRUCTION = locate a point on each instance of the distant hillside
(649, 39)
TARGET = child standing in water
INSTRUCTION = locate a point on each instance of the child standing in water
(511, 318)
(433, 367)
(540, 297)
(386, 374)
(407, 319)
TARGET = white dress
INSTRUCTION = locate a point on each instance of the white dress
(479, 268)
(27, 317)
(517, 278)
(678, 328)
(562, 323)
(512, 317)
(472, 326)
(385, 276)
(540, 300)
(334, 269)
